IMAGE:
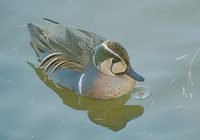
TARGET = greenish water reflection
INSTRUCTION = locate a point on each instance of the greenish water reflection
(113, 114)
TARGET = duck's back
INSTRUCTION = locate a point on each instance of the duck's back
(63, 39)
(72, 48)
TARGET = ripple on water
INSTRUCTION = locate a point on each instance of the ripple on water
(142, 92)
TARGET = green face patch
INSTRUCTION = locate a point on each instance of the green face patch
(101, 54)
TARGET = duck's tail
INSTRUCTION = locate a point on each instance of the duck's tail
(38, 40)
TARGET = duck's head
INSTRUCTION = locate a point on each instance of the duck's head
(112, 59)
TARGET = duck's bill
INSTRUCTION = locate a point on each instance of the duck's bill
(134, 75)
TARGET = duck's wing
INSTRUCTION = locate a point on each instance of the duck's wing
(60, 46)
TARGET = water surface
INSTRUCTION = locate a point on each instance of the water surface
(161, 37)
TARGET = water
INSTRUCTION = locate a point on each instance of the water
(141, 92)
(161, 37)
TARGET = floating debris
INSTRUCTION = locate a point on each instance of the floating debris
(175, 107)
(181, 57)
(152, 103)
(172, 81)
(184, 93)
(188, 108)
(190, 80)
(183, 108)
(6, 80)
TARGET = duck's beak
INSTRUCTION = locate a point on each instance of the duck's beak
(130, 72)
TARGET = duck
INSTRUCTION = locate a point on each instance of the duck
(82, 61)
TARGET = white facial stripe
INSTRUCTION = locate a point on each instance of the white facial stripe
(105, 66)
(106, 47)
(119, 67)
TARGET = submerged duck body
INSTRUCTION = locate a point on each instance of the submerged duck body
(83, 62)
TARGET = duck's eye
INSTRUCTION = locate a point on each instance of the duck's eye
(118, 67)
(93, 51)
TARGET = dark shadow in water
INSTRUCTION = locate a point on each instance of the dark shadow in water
(113, 114)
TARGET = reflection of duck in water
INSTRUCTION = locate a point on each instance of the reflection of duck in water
(83, 62)
(113, 114)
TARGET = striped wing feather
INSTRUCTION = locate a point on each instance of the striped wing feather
(63, 46)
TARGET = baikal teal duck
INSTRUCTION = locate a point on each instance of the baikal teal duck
(83, 62)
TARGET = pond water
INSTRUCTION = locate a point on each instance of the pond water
(162, 38)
